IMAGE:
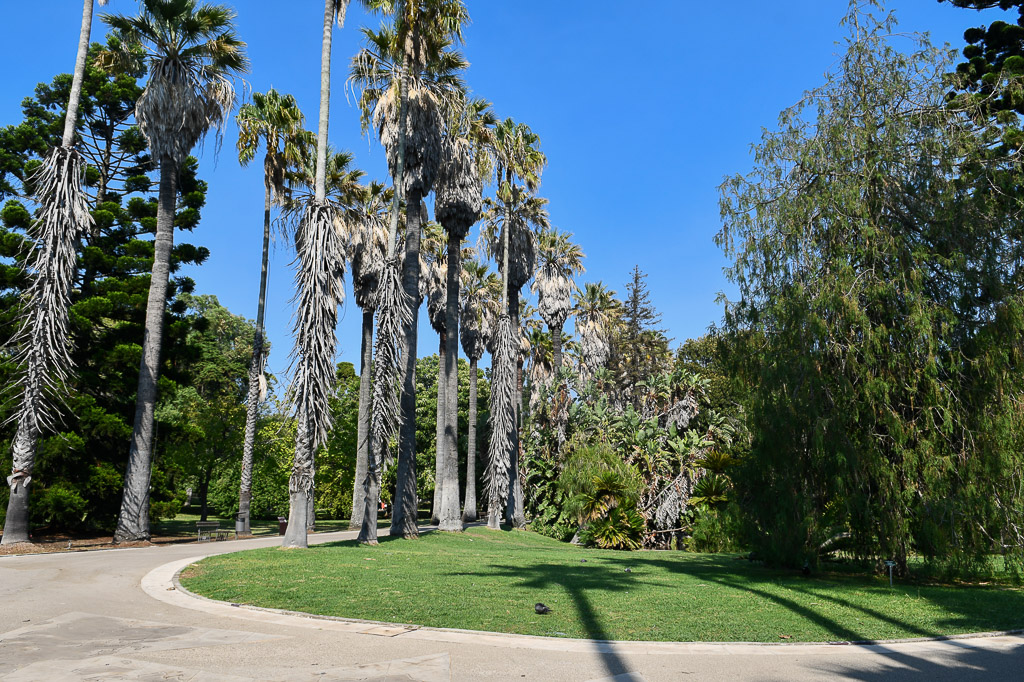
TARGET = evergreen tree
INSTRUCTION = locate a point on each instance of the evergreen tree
(639, 346)
(80, 466)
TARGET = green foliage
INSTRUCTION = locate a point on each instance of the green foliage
(601, 492)
(84, 460)
(879, 320)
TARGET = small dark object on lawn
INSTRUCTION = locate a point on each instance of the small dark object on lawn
(628, 570)
(583, 561)
(541, 609)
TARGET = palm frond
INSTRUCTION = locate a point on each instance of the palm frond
(502, 420)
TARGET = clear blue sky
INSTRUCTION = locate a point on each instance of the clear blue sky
(642, 109)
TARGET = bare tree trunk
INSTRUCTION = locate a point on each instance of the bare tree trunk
(242, 524)
(363, 427)
(439, 442)
(556, 349)
(204, 493)
(450, 519)
(133, 521)
(311, 502)
(320, 183)
(300, 485)
(16, 524)
(514, 511)
(469, 513)
(403, 522)
(71, 120)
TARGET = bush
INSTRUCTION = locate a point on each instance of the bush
(714, 530)
(58, 506)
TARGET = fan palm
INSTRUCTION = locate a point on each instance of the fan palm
(482, 290)
(274, 121)
(192, 53)
(320, 249)
(597, 309)
(405, 74)
(458, 204)
(317, 314)
(558, 260)
(434, 266)
(367, 251)
(509, 239)
(43, 357)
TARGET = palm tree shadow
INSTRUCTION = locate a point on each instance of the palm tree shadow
(964, 660)
(579, 582)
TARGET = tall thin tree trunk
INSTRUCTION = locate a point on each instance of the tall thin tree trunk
(133, 521)
(514, 512)
(16, 524)
(556, 349)
(363, 424)
(252, 403)
(450, 519)
(439, 442)
(403, 522)
(469, 513)
(300, 485)
(204, 493)
(71, 120)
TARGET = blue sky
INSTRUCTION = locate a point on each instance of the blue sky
(641, 115)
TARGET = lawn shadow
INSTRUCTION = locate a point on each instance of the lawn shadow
(744, 578)
(577, 581)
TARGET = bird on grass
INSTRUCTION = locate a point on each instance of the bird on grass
(541, 609)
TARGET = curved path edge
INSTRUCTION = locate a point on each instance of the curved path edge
(162, 584)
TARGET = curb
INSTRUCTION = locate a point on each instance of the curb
(162, 583)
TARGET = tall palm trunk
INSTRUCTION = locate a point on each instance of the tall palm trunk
(363, 425)
(16, 522)
(300, 485)
(133, 521)
(439, 442)
(403, 523)
(469, 513)
(514, 510)
(556, 348)
(242, 525)
(450, 519)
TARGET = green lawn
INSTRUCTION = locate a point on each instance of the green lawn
(490, 580)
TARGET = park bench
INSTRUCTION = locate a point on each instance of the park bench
(211, 530)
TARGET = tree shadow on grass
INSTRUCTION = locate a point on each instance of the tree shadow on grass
(581, 583)
(971, 614)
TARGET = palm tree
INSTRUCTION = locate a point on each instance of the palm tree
(43, 358)
(367, 251)
(405, 74)
(597, 309)
(320, 248)
(276, 122)
(317, 314)
(509, 240)
(434, 266)
(479, 310)
(458, 204)
(558, 261)
(192, 52)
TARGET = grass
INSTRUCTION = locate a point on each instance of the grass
(490, 580)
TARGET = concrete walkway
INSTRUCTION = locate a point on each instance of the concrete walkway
(116, 615)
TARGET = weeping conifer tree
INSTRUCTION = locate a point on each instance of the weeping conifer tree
(43, 359)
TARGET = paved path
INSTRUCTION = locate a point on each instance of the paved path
(112, 615)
